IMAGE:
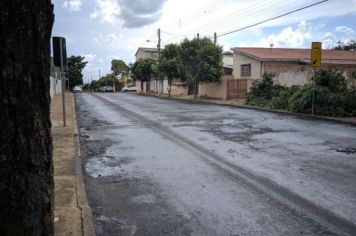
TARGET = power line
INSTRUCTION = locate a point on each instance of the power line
(273, 18)
(245, 13)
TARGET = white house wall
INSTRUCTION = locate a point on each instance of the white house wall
(239, 60)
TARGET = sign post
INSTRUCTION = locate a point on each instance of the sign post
(60, 60)
(315, 61)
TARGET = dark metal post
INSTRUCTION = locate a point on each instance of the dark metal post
(63, 84)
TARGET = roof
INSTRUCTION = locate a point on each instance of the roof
(147, 50)
(297, 55)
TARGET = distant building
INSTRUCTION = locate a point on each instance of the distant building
(228, 63)
(290, 66)
(143, 53)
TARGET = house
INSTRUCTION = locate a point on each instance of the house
(143, 53)
(290, 66)
(228, 62)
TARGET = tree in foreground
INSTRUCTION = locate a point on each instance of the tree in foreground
(202, 61)
(143, 70)
(170, 64)
(76, 64)
(26, 172)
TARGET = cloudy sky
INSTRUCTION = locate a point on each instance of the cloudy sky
(102, 30)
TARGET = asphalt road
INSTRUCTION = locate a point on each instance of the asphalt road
(162, 167)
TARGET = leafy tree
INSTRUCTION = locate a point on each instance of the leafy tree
(170, 64)
(202, 61)
(346, 46)
(26, 167)
(144, 69)
(76, 64)
(119, 66)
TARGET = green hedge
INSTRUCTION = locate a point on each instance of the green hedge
(332, 97)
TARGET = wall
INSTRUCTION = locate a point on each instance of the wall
(138, 86)
(256, 70)
(216, 90)
(178, 88)
(55, 87)
(228, 60)
(289, 74)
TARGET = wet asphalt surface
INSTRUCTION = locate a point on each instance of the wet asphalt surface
(162, 167)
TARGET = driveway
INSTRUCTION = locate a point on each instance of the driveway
(162, 167)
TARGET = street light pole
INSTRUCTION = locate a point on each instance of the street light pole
(159, 56)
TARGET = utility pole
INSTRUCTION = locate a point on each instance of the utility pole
(159, 54)
(197, 35)
(91, 81)
(215, 38)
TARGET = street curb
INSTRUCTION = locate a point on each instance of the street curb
(82, 200)
(300, 115)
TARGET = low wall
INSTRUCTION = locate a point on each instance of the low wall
(55, 86)
(179, 88)
(216, 90)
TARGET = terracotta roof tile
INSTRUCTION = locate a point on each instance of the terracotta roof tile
(293, 53)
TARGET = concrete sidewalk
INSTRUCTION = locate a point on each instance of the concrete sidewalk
(72, 214)
(241, 104)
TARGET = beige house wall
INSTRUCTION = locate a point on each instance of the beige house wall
(286, 73)
(228, 60)
(256, 70)
(289, 74)
(141, 54)
(216, 90)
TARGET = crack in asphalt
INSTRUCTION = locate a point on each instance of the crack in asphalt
(259, 183)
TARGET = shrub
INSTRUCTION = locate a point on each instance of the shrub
(280, 101)
(331, 96)
(262, 91)
(350, 103)
(333, 80)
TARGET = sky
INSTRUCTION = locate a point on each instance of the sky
(102, 30)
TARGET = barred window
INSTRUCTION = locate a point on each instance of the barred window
(246, 70)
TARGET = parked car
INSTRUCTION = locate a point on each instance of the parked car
(77, 89)
(107, 89)
(131, 88)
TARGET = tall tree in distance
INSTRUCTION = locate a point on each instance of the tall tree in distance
(76, 64)
(144, 69)
(119, 66)
(349, 46)
(26, 168)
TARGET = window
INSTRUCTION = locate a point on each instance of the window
(246, 70)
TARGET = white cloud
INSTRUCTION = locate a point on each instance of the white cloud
(345, 30)
(107, 11)
(110, 38)
(329, 40)
(288, 38)
(89, 57)
(73, 5)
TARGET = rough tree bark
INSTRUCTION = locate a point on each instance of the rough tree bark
(26, 171)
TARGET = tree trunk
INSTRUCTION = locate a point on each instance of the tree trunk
(141, 86)
(195, 88)
(170, 88)
(26, 168)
